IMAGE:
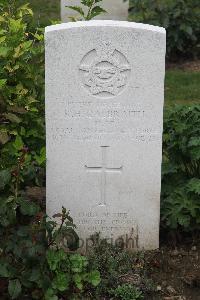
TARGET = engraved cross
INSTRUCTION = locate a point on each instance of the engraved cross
(103, 170)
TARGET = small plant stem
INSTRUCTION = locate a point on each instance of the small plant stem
(89, 11)
(17, 181)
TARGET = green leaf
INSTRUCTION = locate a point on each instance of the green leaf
(2, 83)
(40, 159)
(87, 3)
(194, 185)
(12, 117)
(78, 263)
(5, 178)
(25, 10)
(168, 168)
(2, 39)
(184, 220)
(4, 137)
(4, 51)
(14, 288)
(96, 11)
(52, 259)
(28, 208)
(18, 144)
(194, 141)
(35, 275)
(94, 278)
(50, 295)
(15, 25)
(185, 28)
(77, 9)
(61, 282)
(4, 272)
(78, 281)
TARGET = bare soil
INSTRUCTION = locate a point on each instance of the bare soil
(176, 271)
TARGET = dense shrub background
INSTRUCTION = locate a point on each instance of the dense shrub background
(21, 98)
(180, 205)
(181, 18)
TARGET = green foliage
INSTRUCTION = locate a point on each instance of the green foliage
(22, 135)
(89, 10)
(180, 205)
(70, 270)
(116, 266)
(180, 18)
(127, 292)
(33, 259)
(14, 288)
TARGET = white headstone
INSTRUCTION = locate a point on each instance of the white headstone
(104, 118)
(116, 10)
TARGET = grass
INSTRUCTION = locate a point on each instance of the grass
(180, 86)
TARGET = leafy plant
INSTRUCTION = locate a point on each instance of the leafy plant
(89, 10)
(118, 267)
(180, 18)
(21, 97)
(127, 292)
(32, 258)
(180, 205)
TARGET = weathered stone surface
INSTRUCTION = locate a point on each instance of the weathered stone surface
(104, 117)
(116, 10)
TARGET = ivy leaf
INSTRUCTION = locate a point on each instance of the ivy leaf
(5, 178)
(14, 288)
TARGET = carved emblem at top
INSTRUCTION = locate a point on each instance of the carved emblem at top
(104, 71)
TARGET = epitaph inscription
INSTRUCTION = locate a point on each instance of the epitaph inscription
(104, 71)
